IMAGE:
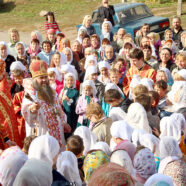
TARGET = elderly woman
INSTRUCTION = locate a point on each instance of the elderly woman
(77, 49)
(107, 31)
(165, 59)
(109, 54)
(172, 163)
(5, 55)
(87, 24)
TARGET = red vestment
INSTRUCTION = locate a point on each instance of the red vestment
(146, 72)
(7, 117)
(17, 102)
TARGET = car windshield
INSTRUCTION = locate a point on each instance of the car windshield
(132, 14)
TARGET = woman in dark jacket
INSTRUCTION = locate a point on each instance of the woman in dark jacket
(87, 24)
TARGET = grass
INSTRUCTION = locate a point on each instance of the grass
(24, 14)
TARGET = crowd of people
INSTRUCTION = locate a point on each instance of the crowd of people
(101, 110)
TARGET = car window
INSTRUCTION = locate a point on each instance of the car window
(135, 13)
(94, 17)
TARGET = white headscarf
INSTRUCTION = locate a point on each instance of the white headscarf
(70, 75)
(69, 68)
(11, 161)
(106, 34)
(17, 65)
(122, 158)
(173, 125)
(101, 145)
(148, 83)
(81, 29)
(90, 70)
(90, 58)
(136, 136)
(182, 73)
(8, 52)
(38, 35)
(113, 86)
(23, 47)
(71, 57)
(167, 72)
(34, 172)
(67, 165)
(117, 114)
(90, 83)
(158, 179)
(103, 64)
(169, 147)
(121, 129)
(53, 69)
(137, 117)
(44, 148)
(89, 138)
(149, 140)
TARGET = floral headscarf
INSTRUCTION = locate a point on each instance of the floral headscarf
(93, 161)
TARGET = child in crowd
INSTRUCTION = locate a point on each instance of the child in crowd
(161, 88)
(68, 97)
(90, 61)
(104, 67)
(18, 73)
(53, 81)
(75, 145)
(114, 76)
(139, 89)
(88, 96)
(27, 141)
(154, 101)
(100, 125)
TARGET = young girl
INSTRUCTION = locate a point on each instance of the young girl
(88, 96)
(69, 96)
(104, 75)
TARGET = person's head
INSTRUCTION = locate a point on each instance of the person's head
(154, 37)
(145, 29)
(147, 52)
(112, 97)
(94, 112)
(82, 32)
(168, 34)
(136, 57)
(68, 53)
(161, 88)
(14, 35)
(34, 45)
(139, 89)
(93, 75)
(154, 98)
(104, 43)
(52, 76)
(87, 51)
(27, 142)
(59, 39)
(69, 80)
(161, 75)
(121, 33)
(103, 68)
(20, 49)
(76, 46)
(145, 40)
(114, 76)
(3, 50)
(165, 55)
(180, 75)
(90, 61)
(168, 44)
(176, 23)
(86, 41)
(144, 100)
(51, 35)
(95, 41)
(18, 76)
(56, 59)
(119, 64)
(106, 27)
(127, 46)
(87, 90)
(82, 64)
(87, 21)
(50, 17)
(47, 46)
(75, 145)
(105, 3)
(181, 61)
(109, 52)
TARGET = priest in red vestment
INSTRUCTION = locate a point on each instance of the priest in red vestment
(8, 123)
(138, 67)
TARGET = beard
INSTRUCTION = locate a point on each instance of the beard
(45, 91)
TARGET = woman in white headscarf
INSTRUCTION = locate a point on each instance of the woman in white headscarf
(89, 138)
(5, 55)
(136, 136)
(107, 31)
(34, 172)
(67, 165)
(101, 145)
(11, 161)
(172, 163)
(90, 61)
(45, 148)
(122, 158)
(81, 33)
(120, 130)
(158, 180)
(104, 67)
(137, 117)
